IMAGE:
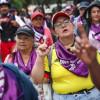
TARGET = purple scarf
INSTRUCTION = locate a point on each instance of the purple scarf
(96, 29)
(12, 89)
(40, 30)
(19, 62)
(70, 61)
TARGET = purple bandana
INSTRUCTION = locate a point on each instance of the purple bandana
(19, 62)
(96, 29)
(69, 61)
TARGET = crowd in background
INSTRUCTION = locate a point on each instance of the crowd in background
(57, 51)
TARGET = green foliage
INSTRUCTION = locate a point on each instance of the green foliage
(17, 3)
(24, 3)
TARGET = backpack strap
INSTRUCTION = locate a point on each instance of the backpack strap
(50, 56)
(10, 58)
(50, 62)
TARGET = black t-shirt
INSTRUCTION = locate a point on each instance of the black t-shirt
(8, 30)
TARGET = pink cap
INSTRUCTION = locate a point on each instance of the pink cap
(35, 14)
(58, 14)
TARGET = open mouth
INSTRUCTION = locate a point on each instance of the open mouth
(65, 30)
(22, 45)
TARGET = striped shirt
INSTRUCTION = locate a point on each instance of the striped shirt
(2, 82)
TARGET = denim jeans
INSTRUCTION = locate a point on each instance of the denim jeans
(93, 94)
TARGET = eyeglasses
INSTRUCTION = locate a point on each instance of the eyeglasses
(64, 23)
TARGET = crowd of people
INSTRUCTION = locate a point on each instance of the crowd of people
(50, 56)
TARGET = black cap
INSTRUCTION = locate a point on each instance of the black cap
(83, 4)
(27, 30)
(94, 3)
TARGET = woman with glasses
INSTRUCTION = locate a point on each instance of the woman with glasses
(70, 77)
